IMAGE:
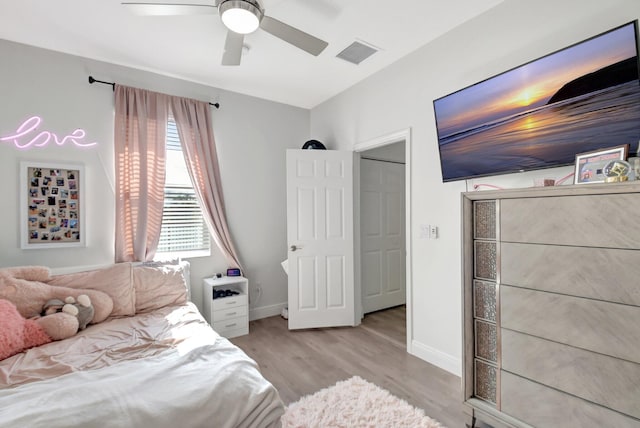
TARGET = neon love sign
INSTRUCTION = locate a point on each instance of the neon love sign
(27, 136)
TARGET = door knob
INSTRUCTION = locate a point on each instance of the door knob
(294, 248)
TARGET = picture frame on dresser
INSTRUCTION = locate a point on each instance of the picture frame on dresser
(51, 212)
(589, 165)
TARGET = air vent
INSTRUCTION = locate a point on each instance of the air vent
(357, 52)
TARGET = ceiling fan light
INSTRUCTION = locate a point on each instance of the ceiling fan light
(240, 21)
(240, 17)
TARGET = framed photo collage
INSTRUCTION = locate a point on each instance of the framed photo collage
(52, 205)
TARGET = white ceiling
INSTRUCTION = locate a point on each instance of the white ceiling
(190, 47)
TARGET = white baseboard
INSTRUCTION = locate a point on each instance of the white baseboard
(436, 357)
(266, 311)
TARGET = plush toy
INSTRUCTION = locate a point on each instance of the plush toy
(58, 326)
(23, 286)
(18, 333)
(81, 309)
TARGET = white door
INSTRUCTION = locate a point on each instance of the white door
(382, 234)
(320, 238)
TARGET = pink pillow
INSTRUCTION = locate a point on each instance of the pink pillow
(114, 280)
(18, 333)
(159, 286)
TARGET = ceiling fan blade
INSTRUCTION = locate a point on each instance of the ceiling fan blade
(232, 48)
(292, 35)
(168, 9)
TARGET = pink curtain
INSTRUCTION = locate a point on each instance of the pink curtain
(193, 120)
(140, 131)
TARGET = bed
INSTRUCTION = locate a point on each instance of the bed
(162, 366)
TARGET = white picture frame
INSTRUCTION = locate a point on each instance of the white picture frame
(52, 211)
(589, 166)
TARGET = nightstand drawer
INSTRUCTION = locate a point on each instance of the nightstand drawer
(224, 327)
(229, 313)
(230, 302)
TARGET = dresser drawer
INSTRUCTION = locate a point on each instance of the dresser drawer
(229, 313)
(540, 406)
(589, 221)
(607, 328)
(597, 273)
(225, 327)
(598, 378)
(230, 302)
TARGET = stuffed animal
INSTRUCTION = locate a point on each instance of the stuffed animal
(18, 333)
(24, 287)
(58, 326)
(81, 309)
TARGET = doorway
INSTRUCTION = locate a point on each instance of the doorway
(382, 228)
(383, 262)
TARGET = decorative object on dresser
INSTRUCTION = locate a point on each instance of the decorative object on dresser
(617, 171)
(590, 166)
(634, 161)
(551, 308)
(228, 314)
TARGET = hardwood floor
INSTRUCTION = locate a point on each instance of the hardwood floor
(301, 362)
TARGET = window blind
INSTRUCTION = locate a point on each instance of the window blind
(183, 226)
(173, 140)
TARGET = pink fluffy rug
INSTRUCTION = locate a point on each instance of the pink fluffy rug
(355, 403)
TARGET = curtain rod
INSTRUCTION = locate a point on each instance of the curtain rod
(113, 85)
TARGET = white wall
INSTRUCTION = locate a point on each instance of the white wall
(401, 96)
(252, 136)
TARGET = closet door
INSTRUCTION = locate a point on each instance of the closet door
(382, 234)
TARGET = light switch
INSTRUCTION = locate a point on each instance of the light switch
(433, 232)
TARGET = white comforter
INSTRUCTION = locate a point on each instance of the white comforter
(162, 369)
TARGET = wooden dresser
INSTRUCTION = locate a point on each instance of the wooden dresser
(551, 306)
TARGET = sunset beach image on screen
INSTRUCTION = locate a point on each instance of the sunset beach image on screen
(543, 113)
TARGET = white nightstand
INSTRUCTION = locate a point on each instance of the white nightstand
(229, 316)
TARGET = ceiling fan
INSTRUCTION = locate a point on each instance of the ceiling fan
(240, 17)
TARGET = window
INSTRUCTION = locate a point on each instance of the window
(184, 230)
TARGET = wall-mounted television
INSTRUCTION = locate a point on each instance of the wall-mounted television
(539, 115)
